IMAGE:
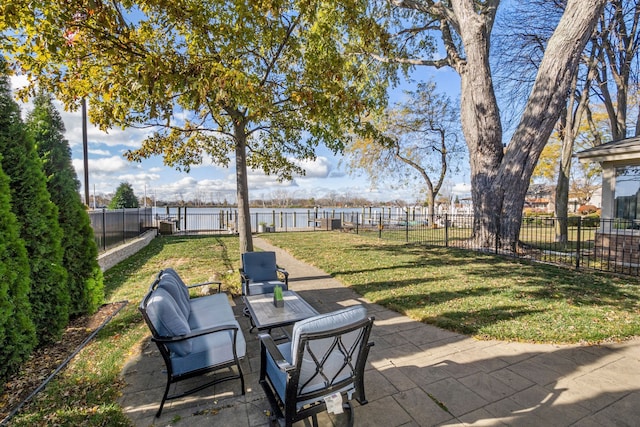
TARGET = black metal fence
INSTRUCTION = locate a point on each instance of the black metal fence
(592, 243)
(112, 227)
(605, 245)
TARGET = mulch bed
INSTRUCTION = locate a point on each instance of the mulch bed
(45, 360)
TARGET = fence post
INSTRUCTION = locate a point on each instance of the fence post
(124, 224)
(185, 218)
(104, 229)
(578, 241)
(497, 235)
(406, 225)
(379, 226)
(446, 230)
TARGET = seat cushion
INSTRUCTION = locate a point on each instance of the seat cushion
(168, 320)
(265, 287)
(279, 378)
(210, 350)
(337, 356)
(260, 266)
(210, 310)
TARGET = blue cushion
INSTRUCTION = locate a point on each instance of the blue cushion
(279, 378)
(172, 272)
(168, 320)
(178, 291)
(210, 350)
(260, 266)
(266, 287)
(210, 310)
(334, 364)
(328, 321)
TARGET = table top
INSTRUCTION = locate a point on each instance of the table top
(265, 315)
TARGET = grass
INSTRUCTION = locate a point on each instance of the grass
(86, 392)
(486, 296)
(476, 294)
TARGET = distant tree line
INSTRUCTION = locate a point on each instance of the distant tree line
(125, 197)
(48, 257)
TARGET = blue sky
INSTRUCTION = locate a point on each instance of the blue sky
(209, 182)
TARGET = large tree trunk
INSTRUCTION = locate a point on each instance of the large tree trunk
(480, 119)
(242, 189)
(499, 185)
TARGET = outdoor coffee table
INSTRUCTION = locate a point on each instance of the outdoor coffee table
(265, 315)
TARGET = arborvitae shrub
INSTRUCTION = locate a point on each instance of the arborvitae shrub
(38, 219)
(17, 332)
(85, 281)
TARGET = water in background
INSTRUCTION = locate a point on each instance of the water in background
(212, 219)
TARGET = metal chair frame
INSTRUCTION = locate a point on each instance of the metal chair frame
(286, 411)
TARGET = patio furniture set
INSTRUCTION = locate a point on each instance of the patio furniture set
(318, 366)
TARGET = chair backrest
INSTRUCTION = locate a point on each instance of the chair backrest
(260, 266)
(330, 350)
(165, 319)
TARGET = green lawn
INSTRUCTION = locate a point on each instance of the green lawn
(481, 295)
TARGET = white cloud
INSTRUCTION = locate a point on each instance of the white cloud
(98, 152)
(461, 189)
(107, 165)
(319, 168)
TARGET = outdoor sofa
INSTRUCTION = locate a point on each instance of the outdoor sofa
(194, 335)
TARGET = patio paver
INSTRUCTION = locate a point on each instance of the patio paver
(417, 375)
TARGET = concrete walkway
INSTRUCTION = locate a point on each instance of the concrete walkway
(417, 375)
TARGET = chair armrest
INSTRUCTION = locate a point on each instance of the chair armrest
(207, 283)
(267, 342)
(243, 276)
(285, 273)
(197, 333)
(282, 270)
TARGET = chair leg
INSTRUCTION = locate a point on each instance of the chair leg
(164, 397)
(347, 407)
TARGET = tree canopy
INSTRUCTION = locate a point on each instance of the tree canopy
(418, 141)
(262, 83)
(16, 327)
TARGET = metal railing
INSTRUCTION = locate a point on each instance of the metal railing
(112, 227)
(592, 243)
(605, 245)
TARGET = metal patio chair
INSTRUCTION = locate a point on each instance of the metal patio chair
(321, 367)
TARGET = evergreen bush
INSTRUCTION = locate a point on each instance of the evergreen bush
(17, 332)
(85, 282)
(38, 219)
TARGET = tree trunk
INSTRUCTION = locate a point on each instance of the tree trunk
(242, 189)
(499, 185)
(431, 208)
(481, 123)
(573, 118)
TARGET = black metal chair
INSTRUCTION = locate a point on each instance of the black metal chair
(325, 358)
(194, 336)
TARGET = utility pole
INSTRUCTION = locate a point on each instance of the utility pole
(85, 151)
